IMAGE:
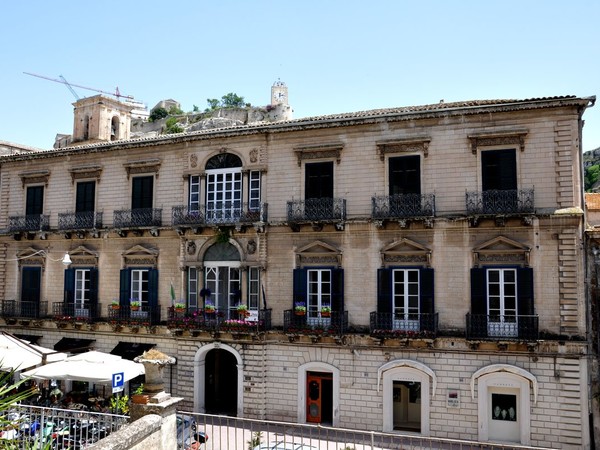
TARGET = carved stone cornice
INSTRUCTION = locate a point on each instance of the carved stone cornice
(143, 166)
(319, 151)
(35, 177)
(78, 173)
(508, 137)
(408, 145)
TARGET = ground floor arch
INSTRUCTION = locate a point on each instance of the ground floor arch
(218, 380)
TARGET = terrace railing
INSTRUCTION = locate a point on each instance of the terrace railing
(494, 202)
(140, 217)
(79, 220)
(30, 222)
(403, 206)
(502, 327)
(316, 210)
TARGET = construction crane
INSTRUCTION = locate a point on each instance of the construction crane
(70, 86)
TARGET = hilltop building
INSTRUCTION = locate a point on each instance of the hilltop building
(411, 270)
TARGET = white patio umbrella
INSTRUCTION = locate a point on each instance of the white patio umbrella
(19, 354)
(93, 366)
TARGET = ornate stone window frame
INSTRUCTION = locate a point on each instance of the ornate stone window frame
(318, 253)
(35, 177)
(514, 138)
(85, 172)
(418, 144)
(32, 257)
(140, 256)
(83, 256)
(142, 166)
(501, 250)
(405, 251)
(319, 151)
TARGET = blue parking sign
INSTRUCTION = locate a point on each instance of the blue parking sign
(118, 381)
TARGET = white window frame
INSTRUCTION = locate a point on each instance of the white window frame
(192, 287)
(82, 291)
(254, 185)
(254, 288)
(401, 290)
(503, 326)
(139, 286)
(226, 201)
(212, 280)
(194, 193)
(319, 291)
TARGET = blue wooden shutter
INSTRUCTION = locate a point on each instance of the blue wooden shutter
(69, 286)
(427, 306)
(384, 300)
(525, 304)
(124, 287)
(478, 325)
(337, 290)
(300, 286)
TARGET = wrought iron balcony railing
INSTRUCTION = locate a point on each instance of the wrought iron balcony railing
(229, 213)
(513, 201)
(141, 217)
(31, 222)
(79, 220)
(130, 315)
(79, 312)
(316, 210)
(196, 319)
(502, 327)
(403, 206)
(335, 324)
(24, 309)
(416, 325)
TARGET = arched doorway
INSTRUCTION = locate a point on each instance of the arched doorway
(221, 375)
(218, 376)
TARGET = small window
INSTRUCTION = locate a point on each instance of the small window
(194, 200)
(404, 175)
(35, 200)
(142, 192)
(498, 170)
(254, 191)
(192, 287)
(86, 196)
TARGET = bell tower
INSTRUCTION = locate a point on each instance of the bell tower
(100, 118)
(279, 93)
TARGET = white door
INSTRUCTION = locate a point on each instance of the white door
(224, 282)
(502, 302)
(504, 415)
(405, 297)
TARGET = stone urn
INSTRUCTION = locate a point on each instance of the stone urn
(154, 363)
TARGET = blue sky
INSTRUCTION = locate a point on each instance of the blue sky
(335, 56)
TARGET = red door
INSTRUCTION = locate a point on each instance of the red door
(313, 398)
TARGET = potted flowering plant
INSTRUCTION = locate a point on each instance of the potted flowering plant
(179, 306)
(300, 308)
(115, 305)
(325, 311)
(135, 304)
(242, 310)
(209, 307)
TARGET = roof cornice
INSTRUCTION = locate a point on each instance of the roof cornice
(318, 122)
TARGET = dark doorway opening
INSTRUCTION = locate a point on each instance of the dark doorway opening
(221, 383)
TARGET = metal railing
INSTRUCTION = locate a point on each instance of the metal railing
(502, 327)
(86, 312)
(228, 213)
(36, 427)
(316, 210)
(79, 220)
(143, 315)
(225, 432)
(141, 217)
(414, 325)
(403, 206)
(24, 309)
(31, 222)
(197, 319)
(512, 201)
(336, 323)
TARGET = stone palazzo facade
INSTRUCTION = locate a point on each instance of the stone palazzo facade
(412, 270)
